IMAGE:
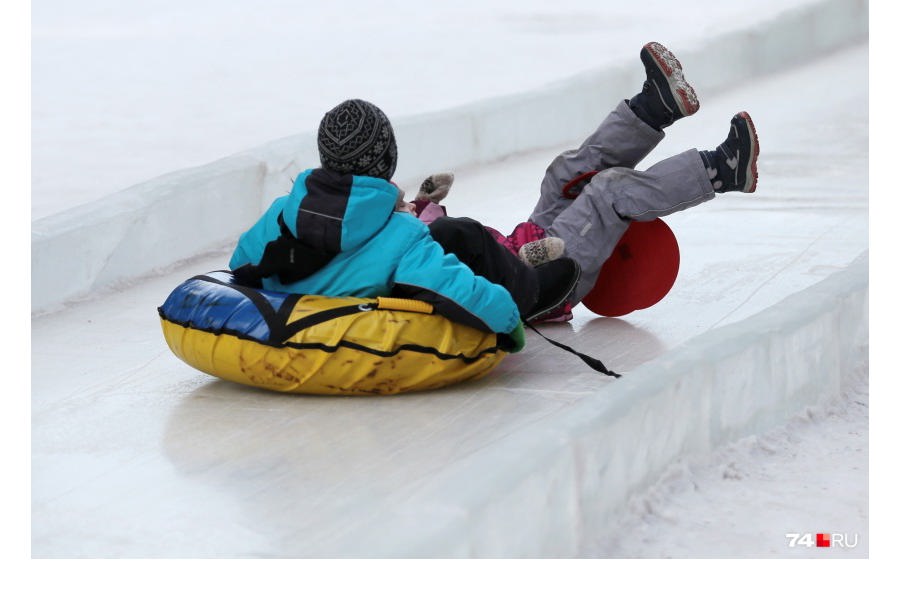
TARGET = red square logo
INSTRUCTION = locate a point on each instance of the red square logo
(823, 540)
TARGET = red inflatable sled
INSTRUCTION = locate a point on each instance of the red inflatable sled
(639, 273)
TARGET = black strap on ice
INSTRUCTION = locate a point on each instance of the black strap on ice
(590, 361)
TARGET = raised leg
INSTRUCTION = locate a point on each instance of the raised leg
(593, 223)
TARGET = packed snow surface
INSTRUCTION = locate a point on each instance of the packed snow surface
(153, 87)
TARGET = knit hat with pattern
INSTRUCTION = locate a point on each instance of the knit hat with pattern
(355, 137)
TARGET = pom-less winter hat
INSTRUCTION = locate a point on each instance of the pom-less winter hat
(356, 137)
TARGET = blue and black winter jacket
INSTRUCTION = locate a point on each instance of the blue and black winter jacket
(342, 237)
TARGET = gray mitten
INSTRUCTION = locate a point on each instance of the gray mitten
(435, 187)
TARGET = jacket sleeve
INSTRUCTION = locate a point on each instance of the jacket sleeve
(426, 273)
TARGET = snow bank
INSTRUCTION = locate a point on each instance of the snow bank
(150, 226)
(569, 476)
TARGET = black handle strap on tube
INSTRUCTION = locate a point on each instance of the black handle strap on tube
(589, 360)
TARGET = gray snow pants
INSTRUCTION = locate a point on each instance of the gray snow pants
(592, 224)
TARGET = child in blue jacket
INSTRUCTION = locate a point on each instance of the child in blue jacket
(338, 233)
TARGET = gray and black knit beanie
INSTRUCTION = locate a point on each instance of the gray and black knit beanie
(355, 137)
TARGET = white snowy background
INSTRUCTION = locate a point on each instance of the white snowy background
(123, 92)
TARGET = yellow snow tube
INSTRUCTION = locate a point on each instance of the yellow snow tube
(318, 344)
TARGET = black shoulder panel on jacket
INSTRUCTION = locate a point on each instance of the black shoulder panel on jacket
(321, 214)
